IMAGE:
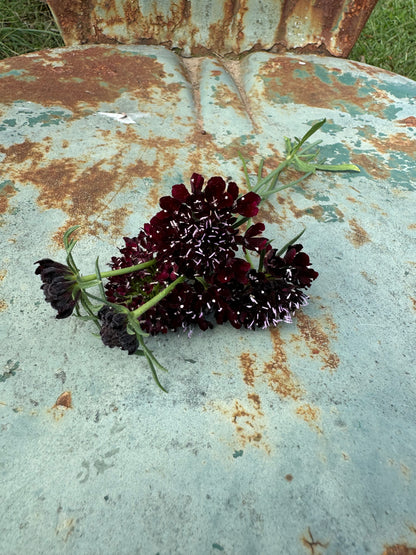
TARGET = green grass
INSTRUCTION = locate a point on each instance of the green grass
(387, 41)
(389, 38)
(25, 26)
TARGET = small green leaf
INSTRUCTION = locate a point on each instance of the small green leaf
(291, 242)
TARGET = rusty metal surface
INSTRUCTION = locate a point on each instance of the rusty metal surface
(298, 440)
(226, 27)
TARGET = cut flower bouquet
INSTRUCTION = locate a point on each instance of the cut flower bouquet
(200, 261)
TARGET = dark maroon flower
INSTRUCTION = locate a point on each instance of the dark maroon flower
(59, 286)
(248, 205)
(294, 266)
(114, 330)
(249, 241)
(267, 301)
(193, 234)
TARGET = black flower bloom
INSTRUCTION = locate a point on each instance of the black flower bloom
(114, 330)
(266, 301)
(59, 286)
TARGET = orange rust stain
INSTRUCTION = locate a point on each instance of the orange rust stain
(289, 477)
(413, 302)
(357, 236)
(255, 399)
(3, 274)
(408, 122)
(411, 226)
(312, 544)
(372, 165)
(398, 141)
(247, 362)
(316, 338)
(277, 371)
(352, 199)
(225, 96)
(310, 415)
(28, 150)
(79, 79)
(307, 88)
(267, 213)
(249, 423)
(3, 305)
(81, 193)
(399, 549)
(64, 400)
(6, 193)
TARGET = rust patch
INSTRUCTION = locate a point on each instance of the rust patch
(267, 213)
(80, 193)
(289, 477)
(398, 141)
(248, 422)
(225, 96)
(411, 226)
(3, 274)
(408, 122)
(399, 549)
(286, 76)
(354, 200)
(19, 153)
(310, 415)
(314, 333)
(247, 363)
(413, 302)
(373, 166)
(3, 305)
(357, 236)
(277, 371)
(64, 400)
(6, 193)
(77, 79)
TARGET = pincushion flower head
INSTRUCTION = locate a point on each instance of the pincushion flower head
(59, 286)
(200, 260)
(193, 234)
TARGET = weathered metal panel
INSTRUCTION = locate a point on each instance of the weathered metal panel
(297, 440)
(226, 27)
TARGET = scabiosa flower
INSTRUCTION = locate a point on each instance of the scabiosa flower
(294, 266)
(271, 296)
(114, 330)
(194, 233)
(59, 286)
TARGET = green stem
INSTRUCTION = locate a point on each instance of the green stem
(154, 300)
(119, 272)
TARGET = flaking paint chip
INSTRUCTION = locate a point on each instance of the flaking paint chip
(124, 117)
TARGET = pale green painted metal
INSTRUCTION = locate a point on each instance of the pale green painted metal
(298, 441)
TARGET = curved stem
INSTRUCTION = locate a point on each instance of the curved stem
(119, 272)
